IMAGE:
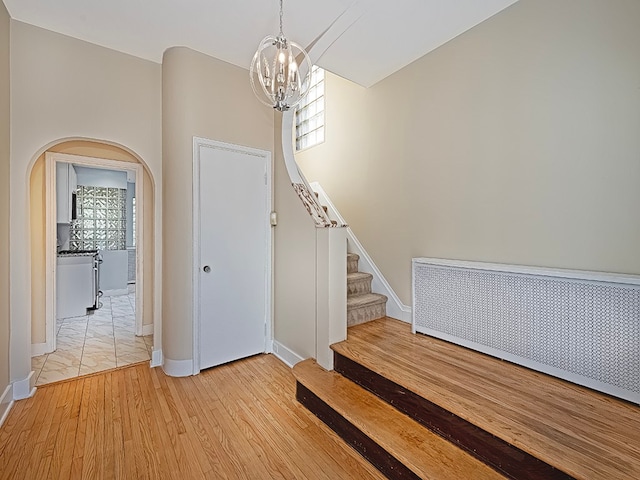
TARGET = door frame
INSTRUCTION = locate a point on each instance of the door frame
(51, 233)
(198, 144)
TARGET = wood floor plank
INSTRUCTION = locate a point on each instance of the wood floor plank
(174, 428)
(168, 465)
(64, 444)
(109, 436)
(236, 421)
(584, 433)
(32, 432)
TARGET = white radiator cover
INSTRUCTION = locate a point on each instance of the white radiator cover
(580, 326)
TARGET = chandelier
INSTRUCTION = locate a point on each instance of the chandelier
(276, 71)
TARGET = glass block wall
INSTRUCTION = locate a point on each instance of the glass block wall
(101, 219)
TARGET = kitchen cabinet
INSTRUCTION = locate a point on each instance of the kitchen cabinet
(66, 185)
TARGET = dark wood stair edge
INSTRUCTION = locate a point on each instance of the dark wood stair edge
(386, 463)
(500, 455)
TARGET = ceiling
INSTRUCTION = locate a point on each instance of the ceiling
(386, 36)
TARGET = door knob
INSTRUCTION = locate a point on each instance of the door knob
(206, 269)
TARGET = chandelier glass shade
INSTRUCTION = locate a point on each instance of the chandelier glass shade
(280, 71)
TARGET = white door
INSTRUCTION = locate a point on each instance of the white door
(234, 252)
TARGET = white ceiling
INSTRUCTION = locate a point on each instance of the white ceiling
(388, 36)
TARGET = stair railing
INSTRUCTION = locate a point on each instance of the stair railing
(331, 243)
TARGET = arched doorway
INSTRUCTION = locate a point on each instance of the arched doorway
(88, 352)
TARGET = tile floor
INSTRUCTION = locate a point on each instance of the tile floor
(102, 340)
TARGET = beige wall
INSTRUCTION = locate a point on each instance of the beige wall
(4, 196)
(204, 97)
(37, 214)
(516, 142)
(294, 264)
(63, 88)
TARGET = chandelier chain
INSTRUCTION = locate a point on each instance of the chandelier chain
(281, 17)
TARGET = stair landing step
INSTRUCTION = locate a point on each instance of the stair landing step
(365, 300)
(397, 445)
(583, 433)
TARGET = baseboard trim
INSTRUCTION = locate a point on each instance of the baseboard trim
(147, 329)
(6, 402)
(289, 357)
(22, 388)
(177, 368)
(156, 358)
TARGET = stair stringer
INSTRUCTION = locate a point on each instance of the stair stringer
(379, 284)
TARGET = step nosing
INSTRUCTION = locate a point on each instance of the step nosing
(359, 274)
(495, 452)
(365, 300)
(363, 410)
(369, 448)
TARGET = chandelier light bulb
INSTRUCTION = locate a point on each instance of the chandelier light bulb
(280, 71)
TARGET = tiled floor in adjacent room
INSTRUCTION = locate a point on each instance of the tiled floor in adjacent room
(99, 341)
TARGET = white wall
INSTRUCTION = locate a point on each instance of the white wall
(63, 88)
(99, 177)
(5, 186)
(295, 264)
(516, 142)
(113, 270)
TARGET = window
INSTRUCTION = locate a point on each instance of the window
(310, 113)
(101, 220)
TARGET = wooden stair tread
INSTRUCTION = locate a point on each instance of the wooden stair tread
(582, 432)
(425, 453)
(364, 300)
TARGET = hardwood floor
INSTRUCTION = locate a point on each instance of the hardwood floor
(584, 433)
(240, 420)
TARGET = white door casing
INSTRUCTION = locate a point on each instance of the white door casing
(232, 241)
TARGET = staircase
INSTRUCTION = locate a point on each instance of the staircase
(362, 305)
(418, 407)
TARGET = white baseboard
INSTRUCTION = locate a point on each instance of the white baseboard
(38, 349)
(156, 358)
(395, 307)
(23, 388)
(147, 329)
(6, 402)
(177, 368)
(289, 357)
(115, 292)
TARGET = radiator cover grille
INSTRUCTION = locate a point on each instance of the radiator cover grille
(584, 331)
